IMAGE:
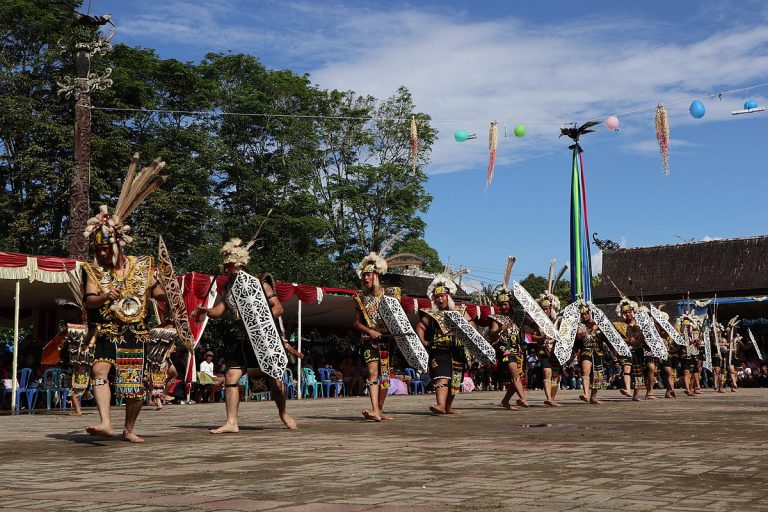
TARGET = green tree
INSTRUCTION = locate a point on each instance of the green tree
(36, 127)
(365, 184)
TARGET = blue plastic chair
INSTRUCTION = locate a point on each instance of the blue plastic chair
(23, 389)
(310, 383)
(416, 384)
(51, 385)
(290, 387)
(325, 379)
(246, 386)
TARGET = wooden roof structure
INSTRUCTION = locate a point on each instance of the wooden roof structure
(728, 268)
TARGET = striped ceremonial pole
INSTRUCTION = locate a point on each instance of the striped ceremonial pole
(581, 264)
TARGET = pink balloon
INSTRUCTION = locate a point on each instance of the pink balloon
(612, 123)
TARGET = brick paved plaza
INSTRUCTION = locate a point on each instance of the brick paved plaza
(708, 453)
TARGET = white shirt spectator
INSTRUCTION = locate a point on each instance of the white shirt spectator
(207, 367)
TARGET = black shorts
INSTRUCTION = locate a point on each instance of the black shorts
(374, 350)
(238, 352)
(106, 348)
(443, 362)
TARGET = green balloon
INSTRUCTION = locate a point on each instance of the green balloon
(520, 130)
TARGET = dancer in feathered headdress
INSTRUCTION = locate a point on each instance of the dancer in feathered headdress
(375, 333)
(719, 345)
(118, 288)
(592, 344)
(504, 333)
(239, 351)
(733, 360)
(689, 326)
(545, 345)
(447, 359)
(633, 335)
(670, 364)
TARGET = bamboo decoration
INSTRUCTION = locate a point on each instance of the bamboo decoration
(662, 134)
(493, 141)
(414, 144)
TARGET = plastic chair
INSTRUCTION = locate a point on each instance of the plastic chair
(325, 379)
(23, 389)
(416, 384)
(246, 386)
(51, 386)
(290, 387)
(310, 383)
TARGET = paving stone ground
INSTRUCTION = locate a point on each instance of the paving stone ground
(707, 453)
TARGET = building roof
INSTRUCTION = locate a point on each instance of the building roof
(729, 268)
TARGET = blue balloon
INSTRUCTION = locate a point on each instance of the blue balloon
(750, 104)
(461, 135)
(697, 109)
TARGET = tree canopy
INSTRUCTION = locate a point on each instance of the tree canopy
(333, 166)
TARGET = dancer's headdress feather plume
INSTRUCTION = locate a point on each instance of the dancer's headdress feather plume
(110, 229)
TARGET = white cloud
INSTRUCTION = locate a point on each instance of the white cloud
(708, 238)
(465, 73)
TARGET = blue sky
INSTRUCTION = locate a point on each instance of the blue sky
(539, 63)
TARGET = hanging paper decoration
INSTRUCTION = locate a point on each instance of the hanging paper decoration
(414, 143)
(581, 258)
(519, 130)
(662, 134)
(612, 123)
(697, 109)
(463, 136)
(493, 142)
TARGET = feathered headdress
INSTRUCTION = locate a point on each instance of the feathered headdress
(626, 304)
(548, 298)
(375, 262)
(445, 283)
(235, 252)
(687, 318)
(109, 229)
(502, 293)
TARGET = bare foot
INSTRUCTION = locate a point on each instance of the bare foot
(227, 428)
(507, 406)
(288, 421)
(583, 398)
(437, 410)
(555, 404)
(385, 417)
(522, 402)
(595, 401)
(673, 393)
(131, 437)
(696, 391)
(721, 391)
(637, 399)
(101, 430)
(650, 397)
(689, 393)
(75, 413)
(549, 403)
(733, 390)
(453, 411)
(625, 392)
(371, 416)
